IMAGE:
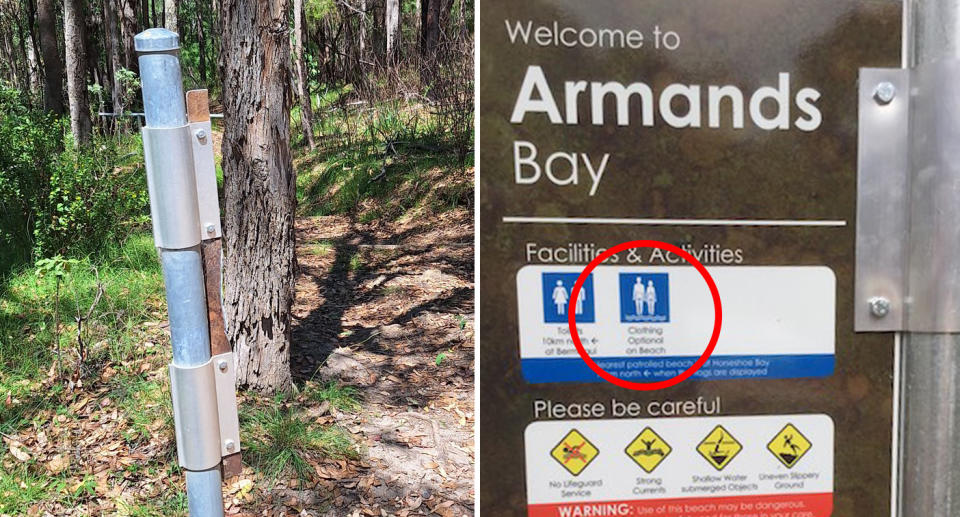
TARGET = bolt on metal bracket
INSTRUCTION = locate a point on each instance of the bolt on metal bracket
(908, 214)
(205, 412)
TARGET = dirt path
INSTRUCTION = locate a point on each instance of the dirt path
(388, 308)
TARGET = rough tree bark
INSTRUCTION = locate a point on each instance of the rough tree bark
(170, 16)
(128, 29)
(50, 51)
(303, 86)
(76, 54)
(363, 28)
(112, 44)
(35, 74)
(201, 46)
(259, 188)
(430, 13)
(392, 23)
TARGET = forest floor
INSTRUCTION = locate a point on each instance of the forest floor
(381, 421)
(388, 310)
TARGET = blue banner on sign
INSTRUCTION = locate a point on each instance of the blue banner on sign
(651, 369)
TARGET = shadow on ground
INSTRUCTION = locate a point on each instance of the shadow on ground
(388, 308)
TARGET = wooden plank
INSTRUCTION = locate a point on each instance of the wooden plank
(232, 466)
(211, 249)
(198, 106)
(198, 110)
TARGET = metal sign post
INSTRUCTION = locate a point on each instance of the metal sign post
(908, 241)
(185, 215)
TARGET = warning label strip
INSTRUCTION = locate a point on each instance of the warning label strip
(793, 505)
(739, 466)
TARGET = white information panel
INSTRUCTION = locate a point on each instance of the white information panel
(646, 324)
(737, 466)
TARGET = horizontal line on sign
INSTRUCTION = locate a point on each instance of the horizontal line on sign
(673, 222)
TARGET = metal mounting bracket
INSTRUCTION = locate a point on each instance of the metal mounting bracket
(908, 200)
(205, 412)
(206, 174)
(170, 173)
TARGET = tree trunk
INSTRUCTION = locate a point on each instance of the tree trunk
(73, 25)
(35, 84)
(260, 190)
(431, 27)
(303, 85)
(170, 15)
(112, 44)
(363, 28)
(93, 20)
(201, 46)
(392, 23)
(25, 54)
(128, 29)
(429, 39)
(50, 50)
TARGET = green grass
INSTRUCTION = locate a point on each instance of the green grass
(132, 284)
(344, 398)
(321, 248)
(132, 294)
(145, 403)
(280, 441)
(174, 504)
(357, 172)
(19, 488)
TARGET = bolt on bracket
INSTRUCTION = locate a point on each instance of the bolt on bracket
(205, 412)
(908, 207)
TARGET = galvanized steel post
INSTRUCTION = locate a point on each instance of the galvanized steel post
(929, 391)
(164, 108)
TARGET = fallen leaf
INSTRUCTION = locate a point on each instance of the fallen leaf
(19, 453)
(58, 464)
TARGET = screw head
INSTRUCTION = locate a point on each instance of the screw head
(211, 228)
(879, 306)
(222, 365)
(230, 445)
(885, 92)
(201, 134)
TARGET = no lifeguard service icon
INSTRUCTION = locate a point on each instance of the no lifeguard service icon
(574, 452)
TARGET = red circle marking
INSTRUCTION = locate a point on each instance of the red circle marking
(666, 383)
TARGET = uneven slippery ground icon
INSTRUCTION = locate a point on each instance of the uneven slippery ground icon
(789, 445)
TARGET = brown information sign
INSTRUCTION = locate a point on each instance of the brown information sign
(728, 129)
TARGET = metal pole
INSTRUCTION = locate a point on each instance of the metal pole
(164, 107)
(929, 390)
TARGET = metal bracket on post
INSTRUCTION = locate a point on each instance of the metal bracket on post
(170, 173)
(206, 176)
(205, 410)
(226, 381)
(908, 236)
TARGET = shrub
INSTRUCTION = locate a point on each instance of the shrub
(93, 198)
(58, 200)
